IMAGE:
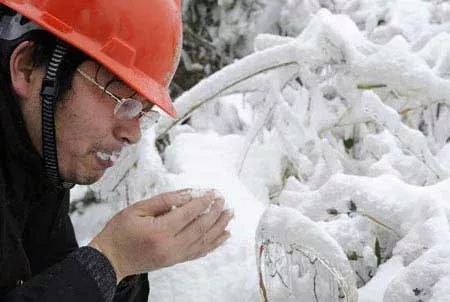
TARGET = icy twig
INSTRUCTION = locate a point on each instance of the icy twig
(411, 139)
(381, 224)
(267, 112)
(301, 164)
(282, 226)
(261, 280)
(223, 81)
(370, 86)
(204, 42)
(273, 99)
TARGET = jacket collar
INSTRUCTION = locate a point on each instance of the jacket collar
(14, 136)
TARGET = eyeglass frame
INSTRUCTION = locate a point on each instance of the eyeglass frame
(150, 117)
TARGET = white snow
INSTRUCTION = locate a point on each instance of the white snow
(372, 292)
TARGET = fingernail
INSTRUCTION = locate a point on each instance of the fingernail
(186, 196)
(230, 213)
(198, 193)
(218, 202)
(218, 194)
(227, 236)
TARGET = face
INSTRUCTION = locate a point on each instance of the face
(88, 134)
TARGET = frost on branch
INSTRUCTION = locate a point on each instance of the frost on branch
(413, 140)
(297, 258)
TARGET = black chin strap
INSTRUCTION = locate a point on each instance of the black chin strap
(49, 94)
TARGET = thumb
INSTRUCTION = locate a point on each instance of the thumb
(163, 203)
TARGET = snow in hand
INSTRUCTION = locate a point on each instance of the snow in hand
(332, 149)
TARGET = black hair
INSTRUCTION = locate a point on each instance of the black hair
(44, 44)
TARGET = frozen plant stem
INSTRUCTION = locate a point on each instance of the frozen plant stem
(412, 140)
(264, 118)
(222, 81)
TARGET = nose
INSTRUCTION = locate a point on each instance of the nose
(128, 131)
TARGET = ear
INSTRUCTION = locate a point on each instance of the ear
(21, 69)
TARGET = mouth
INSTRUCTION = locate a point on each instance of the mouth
(106, 159)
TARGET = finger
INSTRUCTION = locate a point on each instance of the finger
(200, 250)
(163, 202)
(219, 226)
(179, 218)
(216, 231)
(200, 226)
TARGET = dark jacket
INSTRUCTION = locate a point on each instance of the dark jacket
(39, 256)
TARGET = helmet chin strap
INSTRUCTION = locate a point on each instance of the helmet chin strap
(49, 94)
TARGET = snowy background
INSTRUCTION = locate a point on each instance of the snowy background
(325, 123)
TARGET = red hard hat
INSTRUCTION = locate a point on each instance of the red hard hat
(137, 40)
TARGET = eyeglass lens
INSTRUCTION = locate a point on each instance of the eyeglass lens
(128, 109)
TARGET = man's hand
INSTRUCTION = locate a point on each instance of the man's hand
(167, 229)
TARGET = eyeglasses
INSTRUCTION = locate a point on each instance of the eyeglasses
(127, 108)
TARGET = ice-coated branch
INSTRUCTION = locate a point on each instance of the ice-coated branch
(300, 52)
(223, 81)
(287, 228)
(386, 201)
(413, 140)
(332, 39)
(292, 134)
(273, 99)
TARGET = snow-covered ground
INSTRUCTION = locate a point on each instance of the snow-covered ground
(330, 145)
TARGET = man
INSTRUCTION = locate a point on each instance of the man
(78, 79)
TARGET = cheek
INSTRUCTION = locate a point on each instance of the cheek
(70, 139)
(79, 131)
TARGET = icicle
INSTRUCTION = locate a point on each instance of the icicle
(325, 262)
